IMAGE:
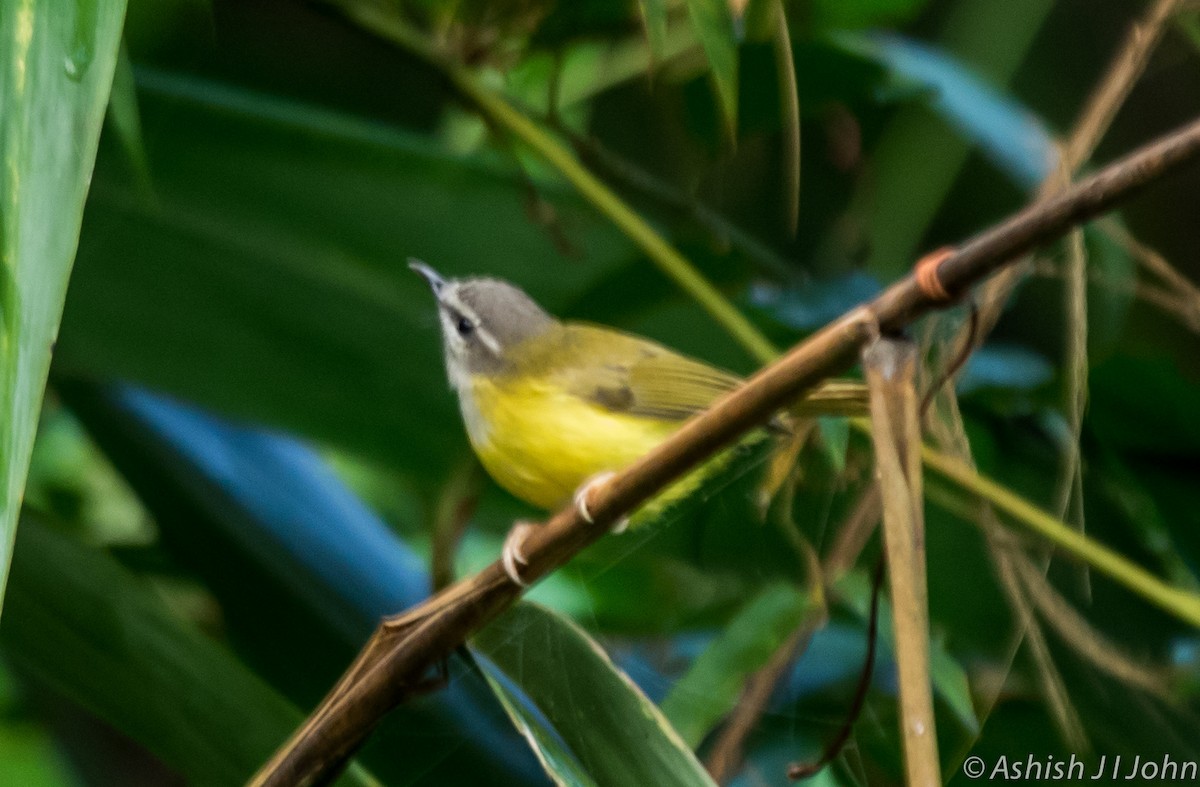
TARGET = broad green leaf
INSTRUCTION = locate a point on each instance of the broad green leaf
(94, 632)
(714, 28)
(586, 720)
(56, 66)
(713, 684)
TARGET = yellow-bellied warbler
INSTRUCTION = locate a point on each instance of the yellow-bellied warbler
(553, 407)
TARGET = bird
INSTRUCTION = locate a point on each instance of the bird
(553, 408)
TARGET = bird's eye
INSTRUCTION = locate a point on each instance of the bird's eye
(465, 326)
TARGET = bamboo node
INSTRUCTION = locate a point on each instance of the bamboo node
(926, 274)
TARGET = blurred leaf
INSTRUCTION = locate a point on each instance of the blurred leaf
(1144, 404)
(126, 120)
(58, 65)
(1189, 23)
(714, 28)
(1112, 282)
(1121, 487)
(1004, 366)
(835, 440)
(951, 684)
(919, 156)
(829, 14)
(713, 684)
(302, 569)
(71, 481)
(586, 719)
(654, 16)
(28, 756)
(809, 306)
(1015, 140)
(581, 19)
(252, 289)
(759, 19)
(95, 633)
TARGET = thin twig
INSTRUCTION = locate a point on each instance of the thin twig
(834, 746)
(1102, 106)
(854, 533)
(404, 648)
(453, 509)
(726, 755)
(1186, 309)
(1157, 264)
(1124, 71)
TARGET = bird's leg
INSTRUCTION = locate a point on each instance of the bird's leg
(512, 557)
(581, 500)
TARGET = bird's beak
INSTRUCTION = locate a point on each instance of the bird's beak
(436, 282)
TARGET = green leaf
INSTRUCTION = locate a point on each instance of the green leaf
(585, 719)
(711, 687)
(126, 120)
(57, 65)
(28, 755)
(654, 16)
(1189, 24)
(714, 28)
(863, 13)
(94, 632)
(835, 440)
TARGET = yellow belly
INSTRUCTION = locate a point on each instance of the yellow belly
(542, 443)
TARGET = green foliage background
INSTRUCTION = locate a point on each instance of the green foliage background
(265, 169)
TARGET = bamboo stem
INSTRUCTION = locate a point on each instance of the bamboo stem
(891, 370)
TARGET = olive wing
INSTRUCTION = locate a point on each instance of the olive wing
(627, 374)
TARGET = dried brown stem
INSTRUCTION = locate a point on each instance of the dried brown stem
(1102, 106)
(726, 755)
(1123, 73)
(891, 368)
(405, 648)
(854, 533)
(453, 510)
